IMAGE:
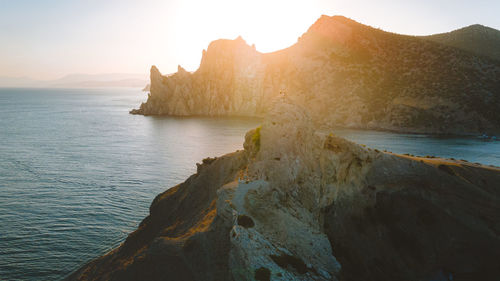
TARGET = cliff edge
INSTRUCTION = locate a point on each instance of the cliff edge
(299, 204)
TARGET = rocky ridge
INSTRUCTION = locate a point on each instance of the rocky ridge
(478, 39)
(345, 74)
(301, 204)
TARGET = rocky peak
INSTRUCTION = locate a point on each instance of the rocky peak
(227, 45)
(180, 68)
(182, 72)
(476, 32)
(476, 38)
(286, 139)
(155, 73)
(154, 69)
(224, 51)
(479, 28)
(336, 28)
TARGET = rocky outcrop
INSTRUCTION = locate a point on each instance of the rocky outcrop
(302, 204)
(344, 74)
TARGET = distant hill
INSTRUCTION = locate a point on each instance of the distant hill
(346, 74)
(478, 39)
(19, 82)
(79, 81)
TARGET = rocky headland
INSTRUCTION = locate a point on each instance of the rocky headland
(350, 75)
(299, 203)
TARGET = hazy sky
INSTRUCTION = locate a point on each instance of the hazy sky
(47, 39)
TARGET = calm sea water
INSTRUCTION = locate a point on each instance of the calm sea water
(78, 173)
(472, 149)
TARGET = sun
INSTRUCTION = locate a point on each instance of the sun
(270, 25)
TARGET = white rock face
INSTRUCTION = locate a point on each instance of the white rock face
(283, 190)
(276, 232)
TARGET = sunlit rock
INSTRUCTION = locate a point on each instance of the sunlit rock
(344, 74)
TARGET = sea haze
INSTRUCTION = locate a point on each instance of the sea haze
(78, 173)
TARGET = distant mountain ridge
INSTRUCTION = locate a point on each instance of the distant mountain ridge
(478, 39)
(19, 82)
(79, 81)
(346, 74)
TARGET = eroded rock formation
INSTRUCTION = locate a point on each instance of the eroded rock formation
(345, 74)
(303, 204)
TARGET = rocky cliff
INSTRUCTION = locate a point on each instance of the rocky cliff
(303, 204)
(345, 74)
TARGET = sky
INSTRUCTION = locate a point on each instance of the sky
(47, 39)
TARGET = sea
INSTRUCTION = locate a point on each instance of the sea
(78, 172)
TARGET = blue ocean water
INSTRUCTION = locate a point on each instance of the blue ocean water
(78, 173)
(472, 149)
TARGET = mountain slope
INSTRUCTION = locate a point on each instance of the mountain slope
(345, 74)
(478, 39)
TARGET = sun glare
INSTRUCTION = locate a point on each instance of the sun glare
(270, 25)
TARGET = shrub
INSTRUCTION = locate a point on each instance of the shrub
(209, 160)
(256, 138)
(262, 274)
(245, 221)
